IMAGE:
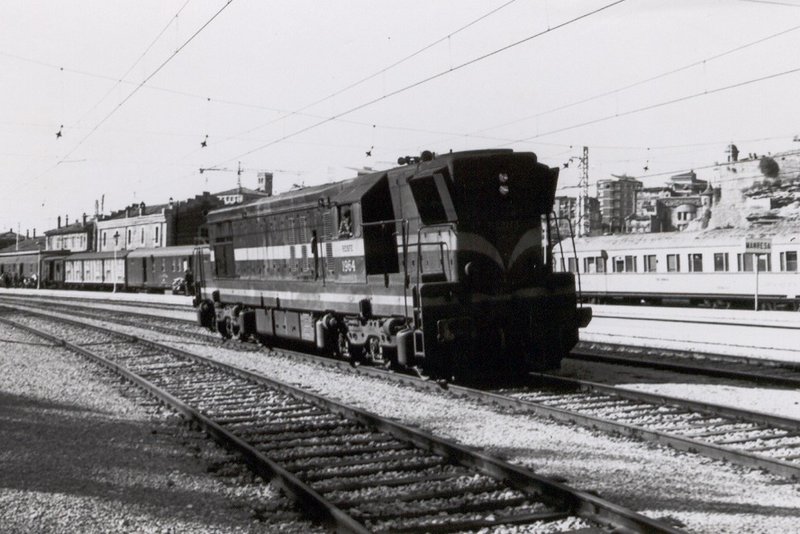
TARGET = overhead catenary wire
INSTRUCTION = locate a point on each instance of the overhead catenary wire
(660, 104)
(136, 62)
(647, 80)
(387, 68)
(137, 88)
(426, 80)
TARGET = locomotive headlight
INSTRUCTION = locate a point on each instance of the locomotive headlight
(503, 179)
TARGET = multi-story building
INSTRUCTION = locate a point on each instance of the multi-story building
(617, 198)
(566, 209)
(687, 184)
(75, 237)
(162, 225)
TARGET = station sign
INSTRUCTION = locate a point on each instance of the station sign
(758, 245)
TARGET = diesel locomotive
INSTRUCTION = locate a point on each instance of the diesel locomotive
(443, 264)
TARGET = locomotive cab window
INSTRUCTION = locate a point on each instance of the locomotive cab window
(428, 197)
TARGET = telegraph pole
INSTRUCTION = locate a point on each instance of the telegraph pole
(583, 195)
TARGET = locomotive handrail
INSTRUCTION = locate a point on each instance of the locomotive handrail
(449, 226)
(574, 252)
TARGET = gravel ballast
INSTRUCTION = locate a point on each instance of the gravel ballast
(78, 455)
(695, 493)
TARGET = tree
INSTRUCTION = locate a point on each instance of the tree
(769, 167)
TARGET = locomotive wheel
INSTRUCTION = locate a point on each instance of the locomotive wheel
(373, 350)
(343, 346)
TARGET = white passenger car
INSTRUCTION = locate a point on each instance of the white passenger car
(710, 267)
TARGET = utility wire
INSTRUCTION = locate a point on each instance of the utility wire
(133, 65)
(385, 69)
(423, 81)
(137, 88)
(646, 80)
(660, 104)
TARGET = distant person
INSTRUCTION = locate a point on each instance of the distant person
(345, 226)
(188, 282)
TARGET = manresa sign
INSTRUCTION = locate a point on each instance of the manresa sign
(758, 245)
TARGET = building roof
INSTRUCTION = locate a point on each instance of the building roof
(673, 202)
(242, 191)
(74, 228)
(780, 233)
(26, 245)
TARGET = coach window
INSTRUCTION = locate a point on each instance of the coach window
(696, 263)
(572, 263)
(720, 261)
(789, 261)
(673, 263)
(589, 265)
(745, 262)
(630, 264)
(650, 263)
(129, 236)
(600, 264)
(155, 238)
(618, 264)
(104, 239)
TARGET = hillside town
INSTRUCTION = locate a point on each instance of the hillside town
(745, 190)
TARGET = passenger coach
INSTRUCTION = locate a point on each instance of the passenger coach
(710, 268)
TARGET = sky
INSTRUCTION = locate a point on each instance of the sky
(312, 91)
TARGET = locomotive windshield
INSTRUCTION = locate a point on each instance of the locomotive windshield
(505, 188)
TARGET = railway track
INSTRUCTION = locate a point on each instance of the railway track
(755, 370)
(743, 437)
(353, 470)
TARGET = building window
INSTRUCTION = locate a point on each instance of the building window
(789, 261)
(696, 263)
(650, 263)
(673, 263)
(720, 261)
